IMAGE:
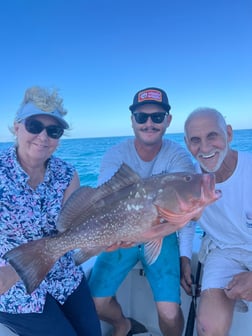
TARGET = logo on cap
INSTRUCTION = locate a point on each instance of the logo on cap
(150, 95)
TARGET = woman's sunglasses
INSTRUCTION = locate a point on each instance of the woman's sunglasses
(34, 126)
(157, 117)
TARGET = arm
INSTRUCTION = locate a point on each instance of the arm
(110, 163)
(240, 287)
(186, 236)
(75, 184)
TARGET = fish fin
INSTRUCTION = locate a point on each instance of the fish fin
(83, 255)
(76, 205)
(152, 250)
(125, 176)
(32, 262)
(84, 200)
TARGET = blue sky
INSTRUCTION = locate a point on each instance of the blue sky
(98, 53)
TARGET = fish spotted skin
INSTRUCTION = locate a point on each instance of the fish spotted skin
(126, 209)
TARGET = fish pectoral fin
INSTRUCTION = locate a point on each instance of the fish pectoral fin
(152, 250)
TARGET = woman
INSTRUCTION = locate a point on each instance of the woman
(34, 186)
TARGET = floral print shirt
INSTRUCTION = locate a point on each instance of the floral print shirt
(28, 214)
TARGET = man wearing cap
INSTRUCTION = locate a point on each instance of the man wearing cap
(148, 153)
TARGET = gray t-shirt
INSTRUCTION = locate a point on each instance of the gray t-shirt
(171, 158)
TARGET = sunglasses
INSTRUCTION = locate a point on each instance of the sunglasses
(34, 126)
(157, 117)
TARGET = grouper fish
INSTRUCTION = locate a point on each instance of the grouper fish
(124, 211)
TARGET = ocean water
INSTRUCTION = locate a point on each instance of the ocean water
(86, 154)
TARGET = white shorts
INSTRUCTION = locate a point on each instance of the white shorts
(220, 265)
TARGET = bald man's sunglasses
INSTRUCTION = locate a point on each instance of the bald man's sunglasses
(157, 117)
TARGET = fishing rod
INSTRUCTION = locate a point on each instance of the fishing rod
(193, 306)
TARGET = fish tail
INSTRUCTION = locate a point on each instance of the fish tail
(32, 261)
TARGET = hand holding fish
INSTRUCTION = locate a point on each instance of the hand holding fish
(240, 287)
(118, 245)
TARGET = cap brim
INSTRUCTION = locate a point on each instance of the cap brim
(29, 110)
(166, 107)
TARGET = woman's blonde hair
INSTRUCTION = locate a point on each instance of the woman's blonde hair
(45, 99)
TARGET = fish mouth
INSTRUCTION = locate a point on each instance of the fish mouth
(208, 186)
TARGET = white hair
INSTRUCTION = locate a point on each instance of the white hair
(206, 111)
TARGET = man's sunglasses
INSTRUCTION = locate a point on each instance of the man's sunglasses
(157, 117)
(34, 126)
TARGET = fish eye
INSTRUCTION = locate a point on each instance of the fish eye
(188, 178)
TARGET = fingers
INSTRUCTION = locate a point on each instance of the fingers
(186, 274)
(187, 287)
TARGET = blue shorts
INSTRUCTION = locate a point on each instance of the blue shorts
(111, 268)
